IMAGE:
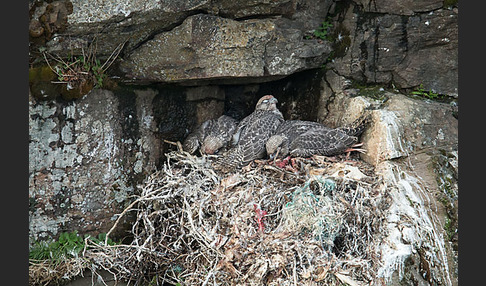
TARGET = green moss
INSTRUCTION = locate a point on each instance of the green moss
(41, 74)
(40, 83)
(450, 228)
(341, 41)
(450, 3)
(446, 176)
(373, 91)
(82, 88)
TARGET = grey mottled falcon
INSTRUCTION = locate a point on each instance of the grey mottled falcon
(211, 136)
(251, 134)
(306, 138)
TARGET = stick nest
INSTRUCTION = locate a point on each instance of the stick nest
(315, 222)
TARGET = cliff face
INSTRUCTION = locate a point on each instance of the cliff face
(186, 61)
(404, 43)
(388, 42)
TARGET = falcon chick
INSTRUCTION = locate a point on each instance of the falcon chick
(306, 138)
(248, 142)
(211, 136)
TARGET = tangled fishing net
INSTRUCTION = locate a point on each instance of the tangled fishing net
(314, 222)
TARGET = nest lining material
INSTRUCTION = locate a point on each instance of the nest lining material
(318, 225)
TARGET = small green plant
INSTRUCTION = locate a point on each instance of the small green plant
(420, 91)
(100, 239)
(68, 245)
(98, 73)
(78, 72)
(323, 30)
(54, 262)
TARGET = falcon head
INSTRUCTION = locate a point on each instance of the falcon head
(277, 146)
(267, 102)
(190, 144)
(194, 139)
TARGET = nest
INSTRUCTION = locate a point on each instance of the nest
(317, 224)
(45, 272)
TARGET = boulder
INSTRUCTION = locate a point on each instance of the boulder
(85, 159)
(407, 126)
(241, 9)
(212, 47)
(185, 41)
(402, 43)
(413, 144)
(406, 7)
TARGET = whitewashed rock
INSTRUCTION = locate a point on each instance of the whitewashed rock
(413, 145)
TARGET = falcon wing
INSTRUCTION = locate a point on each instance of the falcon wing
(251, 144)
(322, 141)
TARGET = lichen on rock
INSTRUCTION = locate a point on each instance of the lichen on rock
(76, 164)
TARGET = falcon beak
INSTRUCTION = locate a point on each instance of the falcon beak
(272, 156)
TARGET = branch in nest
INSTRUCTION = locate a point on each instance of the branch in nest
(178, 144)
